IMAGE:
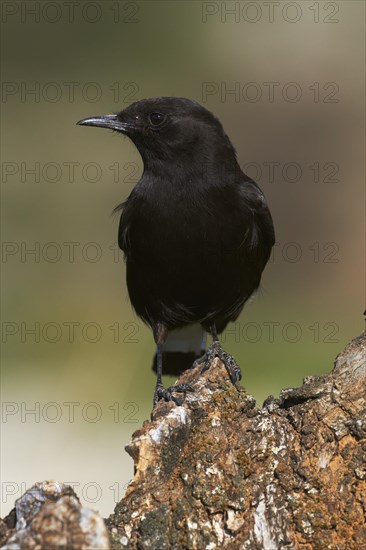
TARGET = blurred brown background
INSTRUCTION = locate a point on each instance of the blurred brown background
(287, 81)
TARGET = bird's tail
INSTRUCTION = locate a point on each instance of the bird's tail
(181, 348)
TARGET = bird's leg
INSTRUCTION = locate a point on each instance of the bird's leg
(160, 334)
(215, 350)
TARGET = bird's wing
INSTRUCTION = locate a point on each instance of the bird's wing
(262, 231)
(124, 224)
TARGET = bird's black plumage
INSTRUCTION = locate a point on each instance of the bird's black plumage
(196, 231)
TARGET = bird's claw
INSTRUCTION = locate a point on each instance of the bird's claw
(181, 388)
(215, 350)
(199, 361)
(167, 393)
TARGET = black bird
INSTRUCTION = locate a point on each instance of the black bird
(196, 232)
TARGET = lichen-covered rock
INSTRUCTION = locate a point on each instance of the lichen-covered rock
(50, 516)
(218, 473)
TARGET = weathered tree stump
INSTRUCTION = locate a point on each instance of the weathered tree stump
(217, 472)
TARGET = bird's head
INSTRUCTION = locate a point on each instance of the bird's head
(171, 128)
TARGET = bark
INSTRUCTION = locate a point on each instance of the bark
(217, 472)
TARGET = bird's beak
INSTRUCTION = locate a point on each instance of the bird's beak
(105, 121)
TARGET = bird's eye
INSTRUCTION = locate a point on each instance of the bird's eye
(156, 119)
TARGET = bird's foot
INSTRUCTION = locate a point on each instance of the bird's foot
(215, 350)
(167, 393)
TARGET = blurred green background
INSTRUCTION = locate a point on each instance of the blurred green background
(295, 115)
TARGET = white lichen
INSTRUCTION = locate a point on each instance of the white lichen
(178, 414)
(262, 530)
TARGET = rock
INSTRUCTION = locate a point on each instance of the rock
(50, 516)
